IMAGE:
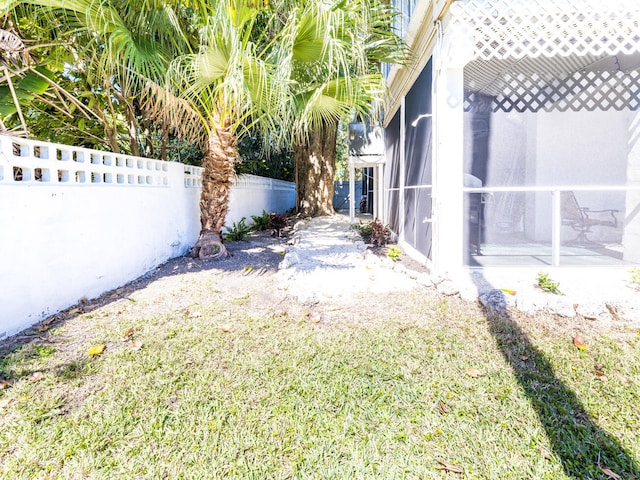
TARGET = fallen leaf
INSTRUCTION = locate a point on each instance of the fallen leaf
(443, 408)
(227, 328)
(4, 385)
(49, 321)
(600, 375)
(36, 376)
(545, 453)
(449, 468)
(509, 291)
(136, 345)
(96, 349)
(474, 372)
(129, 333)
(610, 473)
(42, 328)
(579, 342)
(524, 357)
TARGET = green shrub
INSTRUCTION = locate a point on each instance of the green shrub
(261, 222)
(374, 232)
(548, 285)
(394, 253)
(364, 229)
(238, 231)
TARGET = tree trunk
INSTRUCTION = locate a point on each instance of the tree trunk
(315, 165)
(220, 155)
(165, 141)
(111, 135)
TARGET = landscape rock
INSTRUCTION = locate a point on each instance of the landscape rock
(448, 288)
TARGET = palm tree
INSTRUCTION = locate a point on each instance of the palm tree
(337, 49)
(115, 47)
(231, 84)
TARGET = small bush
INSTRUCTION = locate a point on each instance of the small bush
(548, 285)
(238, 231)
(261, 222)
(374, 232)
(394, 253)
(380, 234)
(277, 222)
(364, 229)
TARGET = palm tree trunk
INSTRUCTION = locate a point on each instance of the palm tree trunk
(221, 153)
(315, 166)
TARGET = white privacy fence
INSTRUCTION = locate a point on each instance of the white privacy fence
(76, 222)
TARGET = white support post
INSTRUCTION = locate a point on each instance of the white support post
(448, 208)
(555, 228)
(352, 192)
(380, 196)
(375, 192)
(401, 197)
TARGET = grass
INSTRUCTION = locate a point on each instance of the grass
(278, 396)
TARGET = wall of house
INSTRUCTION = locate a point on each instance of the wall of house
(631, 220)
(75, 222)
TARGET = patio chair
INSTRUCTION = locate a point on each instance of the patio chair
(581, 219)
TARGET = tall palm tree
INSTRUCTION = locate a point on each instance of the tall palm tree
(231, 84)
(337, 49)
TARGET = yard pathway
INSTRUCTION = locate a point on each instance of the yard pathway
(327, 260)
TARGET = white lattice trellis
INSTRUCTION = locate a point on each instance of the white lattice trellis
(581, 91)
(533, 28)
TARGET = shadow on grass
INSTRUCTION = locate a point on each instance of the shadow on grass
(583, 448)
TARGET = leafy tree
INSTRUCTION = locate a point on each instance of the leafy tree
(112, 48)
(33, 88)
(337, 50)
(265, 160)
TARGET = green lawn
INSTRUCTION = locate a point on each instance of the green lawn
(438, 391)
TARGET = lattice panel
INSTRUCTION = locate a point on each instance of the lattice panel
(520, 28)
(582, 91)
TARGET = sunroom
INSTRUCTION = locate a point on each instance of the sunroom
(514, 140)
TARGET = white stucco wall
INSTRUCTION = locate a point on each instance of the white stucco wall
(62, 238)
(252, 194)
